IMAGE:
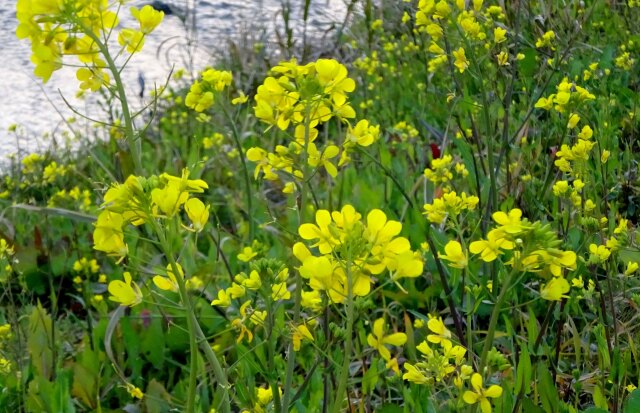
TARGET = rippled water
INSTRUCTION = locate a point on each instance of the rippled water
(39, 108)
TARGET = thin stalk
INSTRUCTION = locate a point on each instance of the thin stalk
(134, 144)
(245, 172)
(196, 335)
(297, 295)
(493, 322)
(344, 371)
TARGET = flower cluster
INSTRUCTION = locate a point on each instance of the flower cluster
(202, 92)
(304, 97)
(568, 96)
(72, 27)
(449, 205)
(352, 252)
(527, 247)
(140, 200)
(473, 23)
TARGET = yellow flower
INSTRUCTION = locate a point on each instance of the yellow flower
(318, 159)
(454, 254)
(280, 292)
(126, 293)
(132, 39)
(148, 17)
(254, 281)
(555, 289)
(378, 339)
(632, 267)
(480, 394)
(442, 334)
(326, 240)
(223, 299)
(503, 58)
(169, 199)
(414, 375)
(242, 98)
(490, 249)
(509, 223)
(586, 133)
(247, 254)
(236, 291)
(460, 61)
(499, 34)
(134, 391)
(108, 235)
(599, 253)
(197, 213)
(300, 333)
(574, 118)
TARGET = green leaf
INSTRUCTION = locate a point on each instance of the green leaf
(523, 374)
(547, 390)
(39, 342)
(632, 404)
(599, 398)
(370, 379)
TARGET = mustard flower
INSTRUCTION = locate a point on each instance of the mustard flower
(480, 394)
(490, 248)
(363, 134)
(511, 222)
(454, 254)
(223, 299)
(125, 292)
(148, 17)
(632, 267)
(132, 39)
(499, 34)
(300, 332)
(280, 292)
(378, 339)
(247, 254)
(197, 213)
(326, 240)
(441, 335)
(460, 61)
(599, 253)
(574, 118)
(414, 375)
(108, 235)
(134, 391)
(555, 289)
(169, 199)
(317, 159)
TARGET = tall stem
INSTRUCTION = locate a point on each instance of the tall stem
(134, 143)
(291, 361)
(245, 172)
(493, 322)
(344, 371)
(196, 335)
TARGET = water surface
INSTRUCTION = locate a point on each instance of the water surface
(39, 109)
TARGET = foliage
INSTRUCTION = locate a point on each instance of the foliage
(440, 216)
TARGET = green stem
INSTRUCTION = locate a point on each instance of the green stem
(134, 144)
(493, 322)
(245, 170)
(291, 360)
(344, 371)
(196, 335)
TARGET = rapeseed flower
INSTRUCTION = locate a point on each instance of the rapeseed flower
(125, 292)
(378, 339)
(480, 394)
